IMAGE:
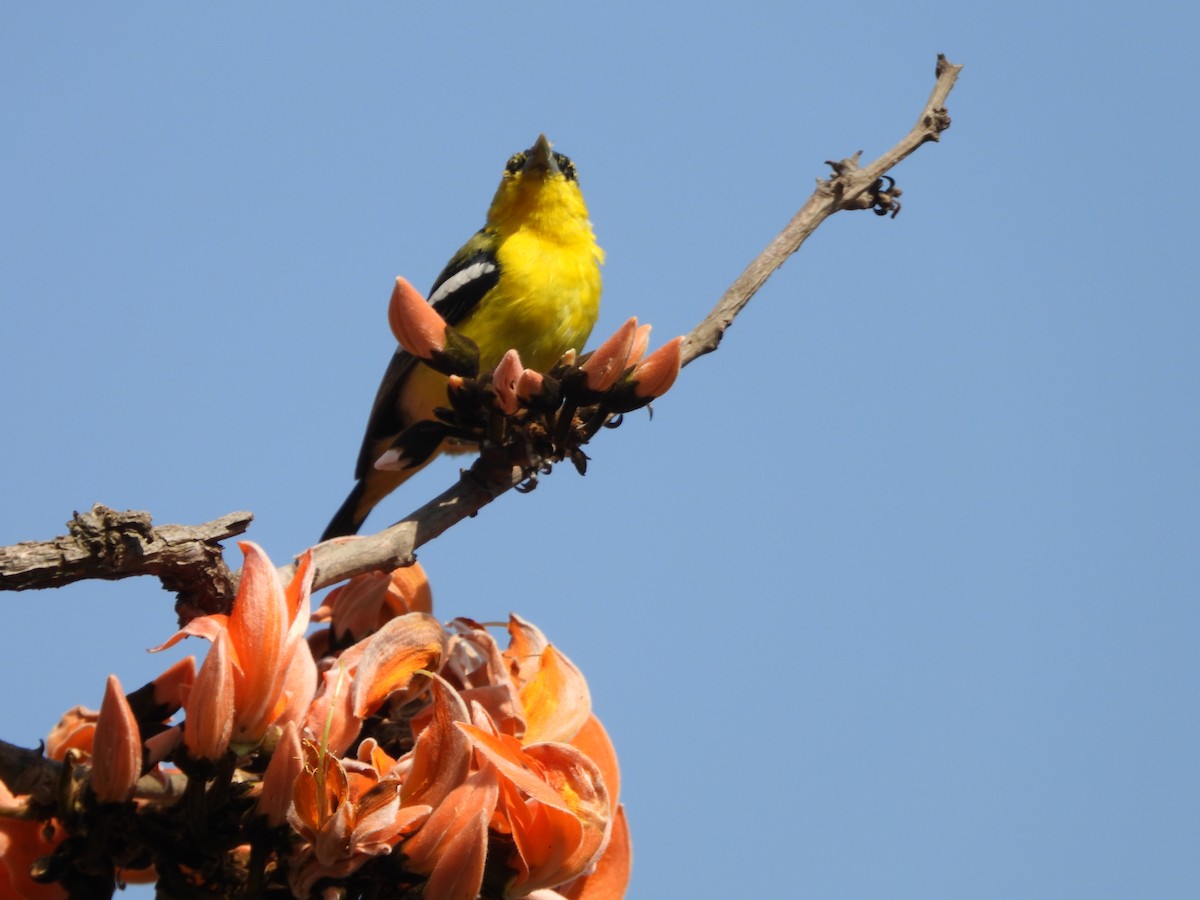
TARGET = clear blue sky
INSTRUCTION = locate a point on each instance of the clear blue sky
(897, 595)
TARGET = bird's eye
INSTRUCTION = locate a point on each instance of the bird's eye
(515, 162)
(565, 166)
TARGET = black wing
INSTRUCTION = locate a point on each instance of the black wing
(470, 274)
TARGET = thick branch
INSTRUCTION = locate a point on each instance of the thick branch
(107, 544)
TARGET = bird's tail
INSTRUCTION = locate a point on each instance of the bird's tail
(349, 518)
(368, 491)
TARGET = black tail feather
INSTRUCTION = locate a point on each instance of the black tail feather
(347, 519)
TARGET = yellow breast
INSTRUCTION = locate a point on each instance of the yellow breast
(546, 301)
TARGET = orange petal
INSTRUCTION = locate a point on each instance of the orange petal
(283, 770)
(297, 596)
(162, 745)
(74, 731)
(514, 764)
(504, 381)
(610, 879)
(594, 741)
(354, 607)
(318, 792)
(441, 755)
(22, 843)
(258, 631)
(556, 700)
(452, 844)
(525, 645)
(409, 591)
(373, 755)
(641, 342)
(331, 715)
(392, 655)
(207, 627)
(365, 602)
(172, 685)
(209, 707)
(476, 662)
(299, 687)
(562, 845)
(117, 747)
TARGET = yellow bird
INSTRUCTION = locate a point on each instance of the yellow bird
(528, 280)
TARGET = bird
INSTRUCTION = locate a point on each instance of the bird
(528, 280)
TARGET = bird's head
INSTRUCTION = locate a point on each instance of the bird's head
(539, 189)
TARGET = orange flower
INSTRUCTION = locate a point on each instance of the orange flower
(271, 669)
(347, 813)
(550, 798)
(553, 801)
(266, 631)
(501, 766)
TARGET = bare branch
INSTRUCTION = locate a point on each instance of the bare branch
(395, 546)
(851, 187)
(107, 544)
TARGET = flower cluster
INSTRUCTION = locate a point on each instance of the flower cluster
(517, 415)
(385, 755)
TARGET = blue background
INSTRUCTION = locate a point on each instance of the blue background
(896, 596)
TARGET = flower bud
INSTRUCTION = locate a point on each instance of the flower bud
(504, 382)
(608, 361)
(116, 747)
(641, 341)
(418, 327)
(655, 374)
(209, 709)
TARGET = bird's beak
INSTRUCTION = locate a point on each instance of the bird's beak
(541, 158)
